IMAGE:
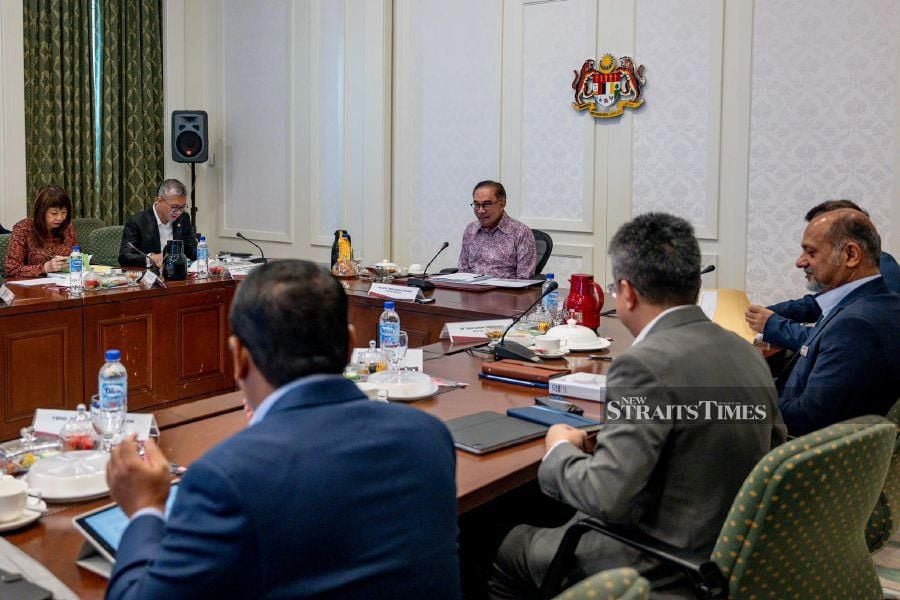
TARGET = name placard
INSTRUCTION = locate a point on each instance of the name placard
(395, 292)
(6, 296)
(472, 331)
(150, 279)
(49, 420)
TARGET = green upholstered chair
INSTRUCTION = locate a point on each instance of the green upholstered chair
(615, 584)
(886, 516)
(103, 244)
(4, 246)
(796, 528)
(84, 226)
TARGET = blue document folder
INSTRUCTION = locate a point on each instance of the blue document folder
(547, 416)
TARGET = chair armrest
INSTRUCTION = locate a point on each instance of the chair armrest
(449, 271)
(705, 575)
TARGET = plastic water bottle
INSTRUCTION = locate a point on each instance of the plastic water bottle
(389, 325)
(551, 300)
(202, 259)
(76, 271)
(110, 405)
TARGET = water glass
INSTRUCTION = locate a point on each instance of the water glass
(107, 420)
(396, 351)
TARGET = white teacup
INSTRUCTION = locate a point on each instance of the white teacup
(546, 344)
(14, 498)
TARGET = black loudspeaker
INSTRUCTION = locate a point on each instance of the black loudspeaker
(190, 141)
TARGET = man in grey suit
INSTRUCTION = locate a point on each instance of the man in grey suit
(691, 408)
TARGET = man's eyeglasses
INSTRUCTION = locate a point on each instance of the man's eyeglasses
(476, 206)
(175, 208)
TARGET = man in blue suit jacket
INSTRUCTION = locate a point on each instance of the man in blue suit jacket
(325, 495)
(782, 324)
(849, 365)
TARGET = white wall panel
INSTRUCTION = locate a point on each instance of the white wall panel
(824, 125)
(446, 120)
(676, 134)
(256, 119)
(12, 115)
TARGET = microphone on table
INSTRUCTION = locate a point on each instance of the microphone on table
(262, 255)
(515, 350)
(707, 269)
(420, 282)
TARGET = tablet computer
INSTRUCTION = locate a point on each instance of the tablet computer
(103, 527)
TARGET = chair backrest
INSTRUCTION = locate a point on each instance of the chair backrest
(84, 226)
(797, 525)
(4, 246)
(543, 245)
(886, 516)
(615, 584)
(103, 244)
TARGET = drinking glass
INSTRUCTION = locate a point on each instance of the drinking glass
(107, 420)
(132, 275)
(396, 351)
(357, 261)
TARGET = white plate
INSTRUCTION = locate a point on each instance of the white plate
(600, 344)
(27, 517)
(558, 354)
(393, 395)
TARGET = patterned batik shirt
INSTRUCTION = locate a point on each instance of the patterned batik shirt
(507, 250)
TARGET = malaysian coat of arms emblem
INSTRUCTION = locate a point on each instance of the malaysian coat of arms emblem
(609, 86)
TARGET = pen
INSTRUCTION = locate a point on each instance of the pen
(533, 384)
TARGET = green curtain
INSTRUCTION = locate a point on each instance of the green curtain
(108, 156)
(59, 143)
(132, 105)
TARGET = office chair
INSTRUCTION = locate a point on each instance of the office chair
(543, 245)
(796, 527)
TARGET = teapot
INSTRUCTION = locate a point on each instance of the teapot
(585, 297)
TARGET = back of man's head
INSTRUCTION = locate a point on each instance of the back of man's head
(659, 255)
(291, 315)
(830, 205)
(852, 225)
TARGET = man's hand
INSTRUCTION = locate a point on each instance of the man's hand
(136, 481)
(757, 316)
(559, 432)
(157, 259)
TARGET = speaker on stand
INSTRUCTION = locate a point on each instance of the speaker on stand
(190, 144)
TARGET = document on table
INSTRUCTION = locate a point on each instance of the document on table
(39, 281)
(508, 283)
(459, 277)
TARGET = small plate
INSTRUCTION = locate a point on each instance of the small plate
(27, 517)
(410, 398)
(543, 354)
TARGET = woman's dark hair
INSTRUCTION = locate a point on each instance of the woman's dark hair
(50, 196)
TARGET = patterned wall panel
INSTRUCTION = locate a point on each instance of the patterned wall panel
(557, 155)
(672, 130)
(447, 126)
(823, 125)
(256, 119)
(570, 258)
(328, 202)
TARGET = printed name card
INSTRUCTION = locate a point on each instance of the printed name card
(6, 296)
(48, 420)
(473, 331)
(150, 279)
(395, 292)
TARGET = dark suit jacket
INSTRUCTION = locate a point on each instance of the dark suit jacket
(142, 231)
(851, 364)
(785, 328)
(671, 478)
(329, 496)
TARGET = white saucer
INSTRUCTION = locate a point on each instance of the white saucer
(411, 397)
(558, 354)
(27, 517)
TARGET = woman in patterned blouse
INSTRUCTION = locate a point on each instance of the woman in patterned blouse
(42, 244)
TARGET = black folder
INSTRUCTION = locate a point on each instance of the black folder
(486, 431)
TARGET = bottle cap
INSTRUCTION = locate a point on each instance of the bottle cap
(113, 355)
(389, 305)
(202, 238)
(549, 275)
(76, 248)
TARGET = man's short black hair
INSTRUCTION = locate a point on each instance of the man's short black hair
(292, 317)
(496, 186)
(659, 255)
(830, 205)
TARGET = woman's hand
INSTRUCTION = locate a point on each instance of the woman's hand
(55, 264)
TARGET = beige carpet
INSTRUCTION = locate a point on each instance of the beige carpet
(887, 563)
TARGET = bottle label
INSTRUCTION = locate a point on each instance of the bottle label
(112, 393)
(389, 333)
(76, 264)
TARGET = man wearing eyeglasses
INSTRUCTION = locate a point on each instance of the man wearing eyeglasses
(150, 229)
(496, 244)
